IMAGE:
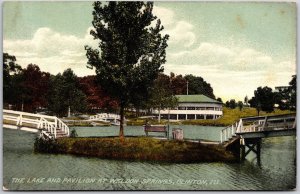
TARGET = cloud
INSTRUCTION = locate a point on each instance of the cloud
(232, 71)
(224, 58)
(165, 15)
(182, 34)
(52, 51)
(180, 31)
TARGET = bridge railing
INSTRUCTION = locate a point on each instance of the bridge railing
(257, 124)
(265, 123)
(104, 116)
(228, 132)
(48, 123)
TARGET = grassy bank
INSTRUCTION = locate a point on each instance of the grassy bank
(137, 148)
(232, 115)
(229, 117)
(85, 123)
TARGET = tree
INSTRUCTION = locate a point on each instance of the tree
(132, 51)
(10, 68)
(232, 104)
(286, 98)
(34, 88)
(220, 100)
(246, 100)
(263, 99)
(96, 97)
(65, 95)
(227, 104)
(161, 95)
(197, 85)
(178, 84)
(292, 91)
(240, 105)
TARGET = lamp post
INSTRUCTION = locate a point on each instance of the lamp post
(187, 87)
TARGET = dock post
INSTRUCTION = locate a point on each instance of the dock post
(258, 149)
(243, 151)
(253, 145)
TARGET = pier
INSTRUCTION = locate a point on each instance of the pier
(246, 135)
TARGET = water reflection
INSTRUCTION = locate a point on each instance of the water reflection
(276, 172)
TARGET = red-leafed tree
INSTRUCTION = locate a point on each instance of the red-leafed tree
(96, 97)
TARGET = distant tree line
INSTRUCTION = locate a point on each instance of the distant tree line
(265, 99)
(32, 90)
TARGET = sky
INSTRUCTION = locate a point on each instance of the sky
(234, 46)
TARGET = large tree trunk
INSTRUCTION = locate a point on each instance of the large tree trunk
(121, 133)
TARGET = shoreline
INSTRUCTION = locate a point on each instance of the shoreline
(137, 149)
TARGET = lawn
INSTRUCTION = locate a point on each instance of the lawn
(229, 117)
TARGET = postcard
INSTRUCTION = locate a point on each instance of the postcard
(149, 96)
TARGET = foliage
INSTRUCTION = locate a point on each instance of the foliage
(263, 99)
(143, 148)
(161, 94)
(197, 85)
(246, 100)
(231, 104)
(65, 93)
(132, 51)
(96, 97)
(34, 88)
(292, 91)
(73, 133)
(240, 105)
(43, 145)
(220, 99)
(178, 84)
(286, 98)
(10, 69)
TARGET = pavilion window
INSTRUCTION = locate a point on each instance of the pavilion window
(191, 108)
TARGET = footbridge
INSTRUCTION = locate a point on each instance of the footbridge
(47, 126)
(107, 118)
(248, 132)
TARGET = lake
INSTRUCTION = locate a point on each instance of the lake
(25, 170)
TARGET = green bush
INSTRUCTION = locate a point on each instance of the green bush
(73, 133)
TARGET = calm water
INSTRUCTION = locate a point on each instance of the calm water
(276, 172)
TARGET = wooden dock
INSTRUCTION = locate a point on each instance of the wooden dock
(246, 135)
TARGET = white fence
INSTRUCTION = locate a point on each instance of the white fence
(50, 124)
(259, 124)
(106, 117)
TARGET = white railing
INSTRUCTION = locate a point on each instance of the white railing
(228, 132)
(258, 124)
(48, 123)
(104, 116)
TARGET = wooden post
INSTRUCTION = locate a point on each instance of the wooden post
(258, 149)
(265, 122)
(243, 152)
(21, 117)
(221, 134)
